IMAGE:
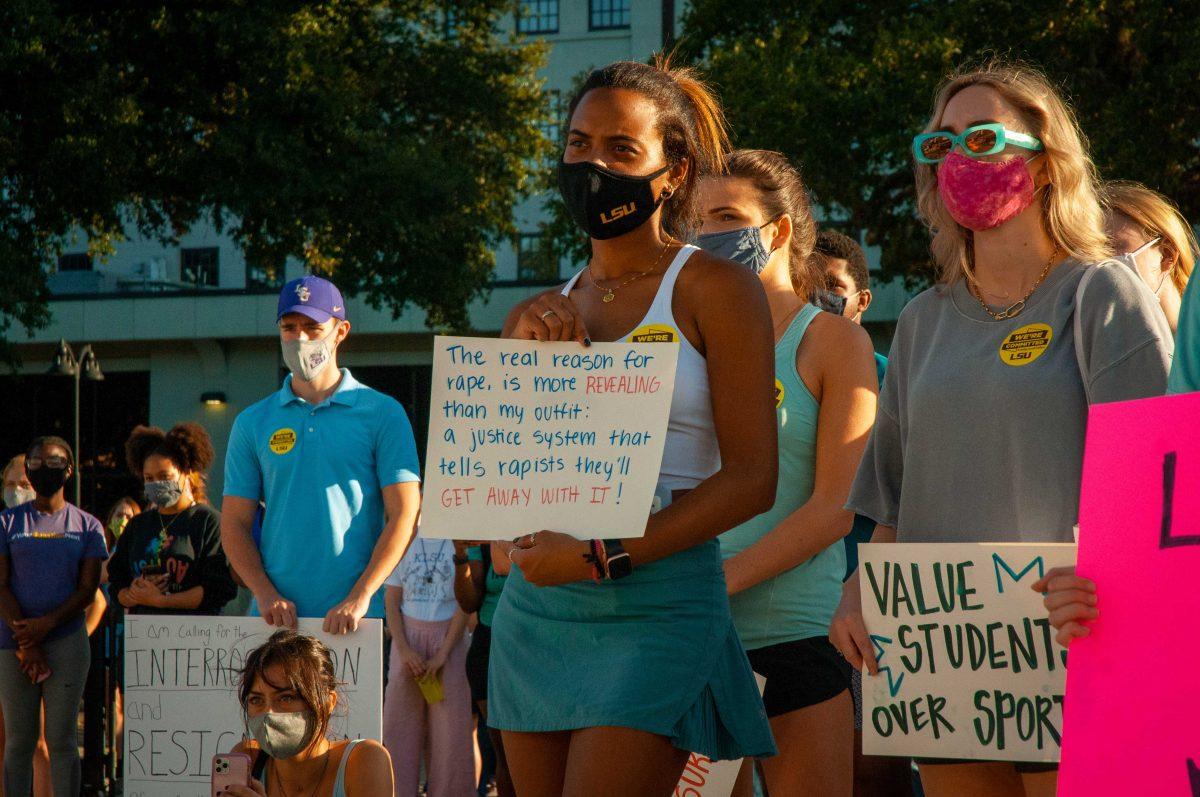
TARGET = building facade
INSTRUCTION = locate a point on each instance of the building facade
(187, 332)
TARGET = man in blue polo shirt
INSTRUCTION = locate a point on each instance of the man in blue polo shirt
(335, 464)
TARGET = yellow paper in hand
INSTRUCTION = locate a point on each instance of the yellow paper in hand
(431, 688)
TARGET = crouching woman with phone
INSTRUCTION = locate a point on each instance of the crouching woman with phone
(288, 692)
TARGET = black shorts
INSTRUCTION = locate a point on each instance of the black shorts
(799, 674)
(477, 661)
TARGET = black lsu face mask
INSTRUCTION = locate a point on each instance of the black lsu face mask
(606, 203)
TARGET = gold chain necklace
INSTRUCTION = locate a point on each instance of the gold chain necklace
(610, 292)
(1014, 309)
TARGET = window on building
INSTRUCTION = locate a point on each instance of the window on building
(608, 14)
(536, 260)
(537, 16)
(81, 261)
(200, 266)
(552, 127)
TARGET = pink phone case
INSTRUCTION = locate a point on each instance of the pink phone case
(230, 769)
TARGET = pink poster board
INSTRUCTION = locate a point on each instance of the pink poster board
(1130, 724)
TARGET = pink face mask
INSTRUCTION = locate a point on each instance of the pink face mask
(981, 195)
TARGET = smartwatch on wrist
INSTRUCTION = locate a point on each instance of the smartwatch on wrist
(618, 562)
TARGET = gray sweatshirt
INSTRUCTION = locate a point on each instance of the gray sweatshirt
(980, 430)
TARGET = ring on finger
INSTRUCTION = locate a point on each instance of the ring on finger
(547, 314)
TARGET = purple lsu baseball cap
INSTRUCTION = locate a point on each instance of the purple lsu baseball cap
(317, 298)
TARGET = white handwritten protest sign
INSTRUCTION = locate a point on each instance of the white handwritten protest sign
(969, 667)
(181, 704)
(526, 436)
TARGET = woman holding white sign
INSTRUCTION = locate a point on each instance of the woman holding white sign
(784, 568)
(288, 691)
(992, 370)
(603, 688)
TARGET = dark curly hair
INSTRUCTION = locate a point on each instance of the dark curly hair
(308, 667)
(832, 243)
(187, 445)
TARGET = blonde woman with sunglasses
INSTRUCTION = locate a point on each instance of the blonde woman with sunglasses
(979, 435)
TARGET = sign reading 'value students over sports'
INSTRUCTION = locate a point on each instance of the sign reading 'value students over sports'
(526, 436)
(968, 663)
(181, 703)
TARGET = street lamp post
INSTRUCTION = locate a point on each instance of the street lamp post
(85, 366)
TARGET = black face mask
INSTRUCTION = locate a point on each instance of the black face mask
(606, 203)
(46, 480)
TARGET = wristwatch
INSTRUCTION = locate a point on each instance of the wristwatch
(618, 564)
(460, 560)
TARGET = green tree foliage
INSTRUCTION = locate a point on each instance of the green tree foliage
(843, 86)
(370, 138)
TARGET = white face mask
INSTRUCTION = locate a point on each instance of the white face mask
(307, 359)
(15, 496)
(1130, 260)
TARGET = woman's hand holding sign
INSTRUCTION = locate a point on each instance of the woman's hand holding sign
(548, 316)
(548, 558)
(848, 632)
(1071, 601)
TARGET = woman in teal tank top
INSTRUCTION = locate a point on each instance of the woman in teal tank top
(784, 568)
(605, 687)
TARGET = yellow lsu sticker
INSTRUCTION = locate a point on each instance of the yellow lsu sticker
(654, 333)
(779, 394)
(282, 441)
(1026, 344)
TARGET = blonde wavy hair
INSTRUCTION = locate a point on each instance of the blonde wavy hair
(1071, 212)
(1158, 217)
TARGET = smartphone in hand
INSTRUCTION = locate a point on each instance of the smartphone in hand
(230, 769)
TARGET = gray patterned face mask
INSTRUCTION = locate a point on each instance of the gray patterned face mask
(282, 735)
(163, 494)
(742, 245)
(306, 359)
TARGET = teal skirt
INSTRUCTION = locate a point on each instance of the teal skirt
(656, 652)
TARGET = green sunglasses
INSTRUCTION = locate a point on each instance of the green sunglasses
(976, 141)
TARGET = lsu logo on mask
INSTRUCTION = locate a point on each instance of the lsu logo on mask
(654, 333)
(1026, 344)
(618, 212)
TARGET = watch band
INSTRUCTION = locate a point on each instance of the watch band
(618, 563)
(460, 560)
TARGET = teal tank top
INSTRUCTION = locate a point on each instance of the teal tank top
(798, 603)
(339, 784)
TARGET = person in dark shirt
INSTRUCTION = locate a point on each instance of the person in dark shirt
(169, 559)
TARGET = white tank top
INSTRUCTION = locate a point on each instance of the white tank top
(690, 454)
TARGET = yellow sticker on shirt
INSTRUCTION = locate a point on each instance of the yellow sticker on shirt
(1026, 344)
(282, 441)
(779, 394)
(654, 333)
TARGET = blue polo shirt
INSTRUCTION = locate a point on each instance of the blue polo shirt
(319, 470)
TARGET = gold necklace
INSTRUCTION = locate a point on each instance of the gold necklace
(610, 292)
(1014, 309)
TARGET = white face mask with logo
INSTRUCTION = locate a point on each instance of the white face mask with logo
(308, 359)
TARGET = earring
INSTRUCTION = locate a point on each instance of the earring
(667, 193)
